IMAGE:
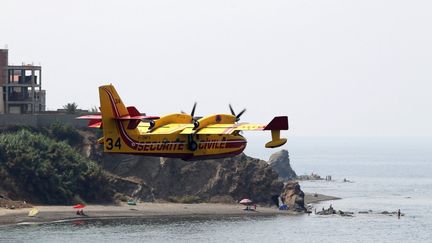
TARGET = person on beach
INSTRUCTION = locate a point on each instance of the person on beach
(399, 213)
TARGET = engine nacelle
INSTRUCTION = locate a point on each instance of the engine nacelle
(214, 119)
(172, 118)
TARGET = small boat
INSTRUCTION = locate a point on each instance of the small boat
(33, 212)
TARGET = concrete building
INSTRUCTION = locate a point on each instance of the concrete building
(3, 76)
(21, 87)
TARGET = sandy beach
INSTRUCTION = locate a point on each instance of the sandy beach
(148, 210)
(54, 213)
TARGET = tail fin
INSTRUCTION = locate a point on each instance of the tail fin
(112, 108)
(275, 126)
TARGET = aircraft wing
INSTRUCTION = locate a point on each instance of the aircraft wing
(277, 124)
(224, 128)
(169, 128)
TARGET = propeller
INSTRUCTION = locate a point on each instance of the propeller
(238, 115)
(194, 118)
(193, 109)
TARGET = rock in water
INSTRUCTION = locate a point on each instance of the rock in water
(280, 163)
(293, 196)
(230, 178)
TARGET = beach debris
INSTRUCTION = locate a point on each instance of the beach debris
(393, 213)
(331, 211)
(365, 212)
(33, 212)
(385, 212)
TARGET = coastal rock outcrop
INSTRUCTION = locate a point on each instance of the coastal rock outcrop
(293, 196)
(133, 187)
(83, 173)
(280, 162)
(229, 179)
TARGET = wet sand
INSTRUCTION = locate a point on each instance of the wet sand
(147, 210)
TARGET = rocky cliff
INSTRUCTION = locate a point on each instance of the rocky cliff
(115, 176)
(280, 162)
(220, 180)
(293, 196)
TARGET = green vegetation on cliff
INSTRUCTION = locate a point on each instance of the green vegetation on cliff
(40, 168)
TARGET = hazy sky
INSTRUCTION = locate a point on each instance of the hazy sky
(336, 68)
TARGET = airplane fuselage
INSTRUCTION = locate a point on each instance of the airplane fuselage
(176, 135)
(176, 145)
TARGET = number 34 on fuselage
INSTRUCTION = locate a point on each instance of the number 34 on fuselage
(178, 135)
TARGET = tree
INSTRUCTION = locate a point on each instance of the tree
(71, 107)
(65, 132)
(94, 109)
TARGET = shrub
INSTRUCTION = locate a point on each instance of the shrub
(184, 199)
(65, 132)
(49, 171)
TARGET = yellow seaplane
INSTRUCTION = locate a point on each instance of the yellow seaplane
(178, 135)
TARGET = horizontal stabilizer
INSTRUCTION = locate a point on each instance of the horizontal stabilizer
(90, 117)
(134, 118)
(127, 117)
(132, 110)
(95, 123)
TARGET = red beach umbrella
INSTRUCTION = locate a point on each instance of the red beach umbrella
(79, 206)
(245, 201)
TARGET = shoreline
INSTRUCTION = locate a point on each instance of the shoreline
(141, 210)
(56, 214)
(312, 198)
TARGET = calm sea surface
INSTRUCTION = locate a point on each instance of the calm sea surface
(386, 174)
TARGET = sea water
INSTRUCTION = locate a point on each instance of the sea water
(384, 175)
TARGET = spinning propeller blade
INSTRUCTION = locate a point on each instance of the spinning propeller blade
(234, 114)
(193, 109)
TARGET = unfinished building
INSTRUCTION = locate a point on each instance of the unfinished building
(21, 87)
